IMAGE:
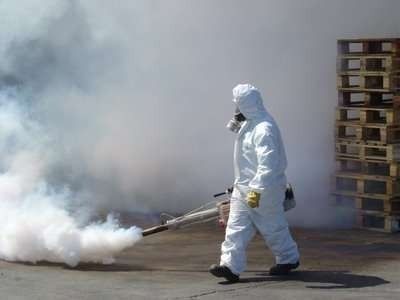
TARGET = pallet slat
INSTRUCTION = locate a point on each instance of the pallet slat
(368, 81)
(368, 63)
(369, 133)
(368, 46)
(371, 186)
(358, 98)
(368, 167)
(363, 151)
(368, 115)
(390, 206)
(378, 222)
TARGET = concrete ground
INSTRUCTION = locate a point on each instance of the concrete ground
(341, 264)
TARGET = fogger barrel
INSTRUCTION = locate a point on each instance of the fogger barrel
(186, 220)
(154, 230)
(219, 211)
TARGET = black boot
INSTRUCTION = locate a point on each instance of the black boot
(282, 269)
(223, 271)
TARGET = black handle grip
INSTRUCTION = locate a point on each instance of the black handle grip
(228, 191)
(219, 194)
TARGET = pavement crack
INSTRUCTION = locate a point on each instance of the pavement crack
(216, 291)
(201, 294)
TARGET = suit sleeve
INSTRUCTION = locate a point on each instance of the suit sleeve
(267, 161)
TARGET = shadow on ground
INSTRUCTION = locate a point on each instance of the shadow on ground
(325, 279)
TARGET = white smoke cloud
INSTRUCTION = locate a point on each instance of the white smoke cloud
(36, 229)
(37, 220)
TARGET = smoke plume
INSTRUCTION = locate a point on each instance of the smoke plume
(42, 219)
(122, 107)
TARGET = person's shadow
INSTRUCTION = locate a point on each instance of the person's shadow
(326, 279)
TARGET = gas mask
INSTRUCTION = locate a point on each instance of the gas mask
(236, 122)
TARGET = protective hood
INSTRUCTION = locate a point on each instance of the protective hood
(249, 101)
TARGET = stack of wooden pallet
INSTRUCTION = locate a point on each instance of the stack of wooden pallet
(367, 126)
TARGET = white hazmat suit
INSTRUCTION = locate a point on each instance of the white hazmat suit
(260, 163)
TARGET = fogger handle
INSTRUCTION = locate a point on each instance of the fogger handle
(219, 194)
(227, 191)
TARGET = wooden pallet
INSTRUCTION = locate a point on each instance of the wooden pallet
(368, 46)
(368, 81)
(368, 133)
(378, 222)
(369, 99)
(367, 167)
(389, 206)
(356, 184)
(368, 152)
(368, 115)
(368, 63)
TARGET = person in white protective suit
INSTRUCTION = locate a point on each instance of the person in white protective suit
(259, 189)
